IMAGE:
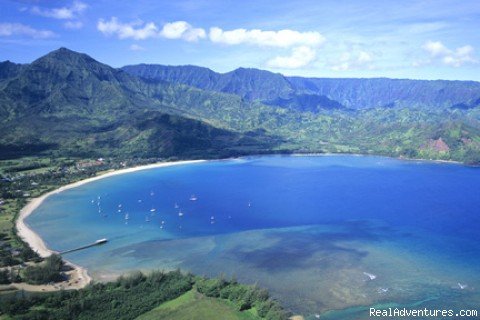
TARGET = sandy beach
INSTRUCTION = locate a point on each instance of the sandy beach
(79, 276)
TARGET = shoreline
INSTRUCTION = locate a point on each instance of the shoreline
(36, 242)
(436, 161)
(83, 278)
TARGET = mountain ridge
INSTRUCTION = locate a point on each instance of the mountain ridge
(68, 104)
(68, 101)
(356, 93)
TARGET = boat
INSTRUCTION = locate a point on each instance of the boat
(152, 210)
(100, 241)
(126, 216)
(152, 193)
(176, 206)
(180, 214)
(193, 197)
(147, 219)
(370, 275)
(462, 286)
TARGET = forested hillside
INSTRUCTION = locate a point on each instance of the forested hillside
(67, 103)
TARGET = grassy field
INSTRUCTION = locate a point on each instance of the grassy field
(195, 306)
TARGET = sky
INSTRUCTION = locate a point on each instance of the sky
(423, 39)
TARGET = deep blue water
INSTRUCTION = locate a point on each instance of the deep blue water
(308, 228)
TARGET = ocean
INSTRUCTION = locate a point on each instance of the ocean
(327, 235)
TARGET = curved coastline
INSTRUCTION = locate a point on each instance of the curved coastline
(81, 273)
(36, 242)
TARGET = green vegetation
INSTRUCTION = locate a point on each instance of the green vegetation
(243, 297)
(195, 306)
(66, 104)
(137, 294)
(45, 272)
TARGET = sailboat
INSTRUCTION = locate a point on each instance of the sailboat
(176, 206)
(127, 216)
(193, 197)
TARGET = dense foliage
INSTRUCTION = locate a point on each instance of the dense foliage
(129, 297)
(244, 297)
(45, 272)
(68, 104)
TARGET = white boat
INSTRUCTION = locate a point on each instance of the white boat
(101, 241)
(147, 219)
(152, 210)
(193, 197)
(180, 214)
(370, 275)
(127, 216)
(176, 206)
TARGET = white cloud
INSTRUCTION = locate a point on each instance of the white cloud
(11, 29)
(299, 57)
(65, 13)
(350, 61)
(136, 47)
(182, 30)
(141, 31)
(73, 24)
(436, 48)
(455, 58)
(282, 38)
(128, 30)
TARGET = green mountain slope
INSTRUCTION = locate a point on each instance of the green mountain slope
(66, 103)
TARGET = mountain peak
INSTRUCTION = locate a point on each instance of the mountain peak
(65, 56)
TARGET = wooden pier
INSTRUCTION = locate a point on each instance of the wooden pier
(96, 243)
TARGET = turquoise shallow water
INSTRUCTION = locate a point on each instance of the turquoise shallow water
(329, 235)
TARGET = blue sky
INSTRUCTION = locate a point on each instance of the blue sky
(429, 39)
